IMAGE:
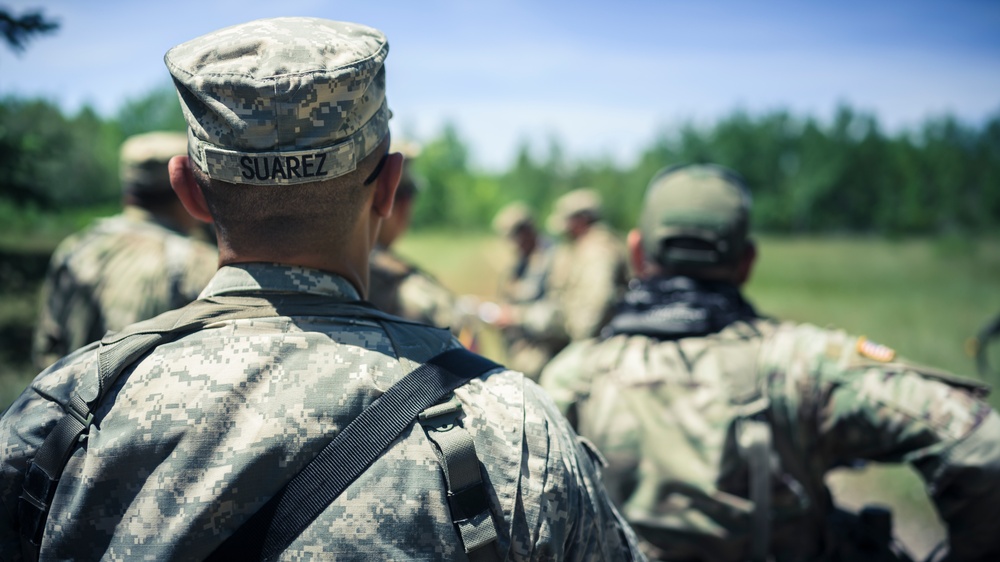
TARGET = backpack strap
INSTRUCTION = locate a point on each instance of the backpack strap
(282, 519)
(120, 350)
(468, 501)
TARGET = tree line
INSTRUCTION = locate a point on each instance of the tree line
(806, 176)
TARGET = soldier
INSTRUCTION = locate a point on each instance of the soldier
(398, 286)
(719, 424)
(206, 432)
(526, 284)
(588, 275)
(129, 267)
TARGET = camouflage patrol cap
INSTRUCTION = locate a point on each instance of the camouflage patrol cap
(705, 204)
(143, 161)
(282, 100)
(511, 218)
(579, 201)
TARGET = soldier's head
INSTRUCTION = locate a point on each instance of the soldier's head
(144, 177)
(575, 212)
(514, 222)
(695, 221)
(396, 224)
(288, 139)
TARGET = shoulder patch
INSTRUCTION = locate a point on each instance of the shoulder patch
(875, 351)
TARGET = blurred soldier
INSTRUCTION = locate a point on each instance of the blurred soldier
(526, 284)
(129, 267)
(589, 273)
(590, 278)
(719, 424)
(399, 287)
(277, 414)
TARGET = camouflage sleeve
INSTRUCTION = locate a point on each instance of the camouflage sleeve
(541, 319)
(863, 403)
(577, 520)
(23, 428)
(422, 298)
(68, 318)
(567, 380)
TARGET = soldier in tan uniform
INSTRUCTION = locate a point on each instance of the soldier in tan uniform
(525, 284)
(719, 424)
(280, 416)
(129, 267)
(588, 275)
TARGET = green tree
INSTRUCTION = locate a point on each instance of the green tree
(158, 110)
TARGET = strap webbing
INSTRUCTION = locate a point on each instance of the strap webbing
(756, 443)
(269, 531)
(468, 501)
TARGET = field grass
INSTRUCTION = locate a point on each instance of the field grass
(925, 298)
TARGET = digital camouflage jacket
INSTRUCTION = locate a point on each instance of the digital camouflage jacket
(201, 431)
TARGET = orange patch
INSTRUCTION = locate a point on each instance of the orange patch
(875, 351)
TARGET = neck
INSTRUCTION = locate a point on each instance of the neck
(346, 258)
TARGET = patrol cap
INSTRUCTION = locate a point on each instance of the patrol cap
(704, 203)
(579, 201)
(143, 161)
(511, 218)
(282, 101)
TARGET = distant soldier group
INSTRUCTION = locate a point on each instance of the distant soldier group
(293, 392)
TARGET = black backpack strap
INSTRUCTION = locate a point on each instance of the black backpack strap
(468, 499)
(116, 353)
(283, 518)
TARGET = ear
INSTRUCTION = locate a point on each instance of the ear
(187, 189)
(636, 255)
(385, 186)
(745, 265)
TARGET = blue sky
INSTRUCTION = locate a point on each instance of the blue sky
(603, 77)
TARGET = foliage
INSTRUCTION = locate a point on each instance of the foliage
(17, 30)
(50, 160)
(807, 176)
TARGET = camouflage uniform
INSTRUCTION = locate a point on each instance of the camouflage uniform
(177, 459)
(401, 288)
(588, 276)
(121, 270)
(690, 379)
(588, 280)
(523, 285)
(199, 432)
(665, 413)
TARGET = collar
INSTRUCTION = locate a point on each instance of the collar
(272, 277)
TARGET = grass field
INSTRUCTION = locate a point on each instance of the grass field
(923, 297)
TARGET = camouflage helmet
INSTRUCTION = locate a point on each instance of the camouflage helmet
(143, 161)
(577, 202)
(511, 218)
(282, 100)
(695, 216)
